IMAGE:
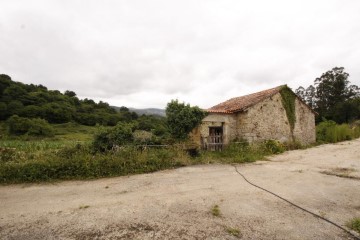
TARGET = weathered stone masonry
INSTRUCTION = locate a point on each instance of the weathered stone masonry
(262, 116)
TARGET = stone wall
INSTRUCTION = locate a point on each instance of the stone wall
(264, 120)
(227, 121)
(268, 120)
(304, 130)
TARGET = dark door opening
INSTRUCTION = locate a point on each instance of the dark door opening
(215, 141)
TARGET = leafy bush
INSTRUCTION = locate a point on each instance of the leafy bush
(109, 138)
(274, 146)
(181, 119)
(330, 132)
(18, 125)
(40, 127)
(34, 127)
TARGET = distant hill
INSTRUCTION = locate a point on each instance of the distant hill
(146, 111)
(149, 111)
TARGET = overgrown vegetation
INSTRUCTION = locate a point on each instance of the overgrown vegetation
(25, 126)
(114, 152)
(288, 101)
(330, 132)
(354, 224)
(33, 161)
(182, 118)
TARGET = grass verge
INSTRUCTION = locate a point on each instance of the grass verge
(47, 160)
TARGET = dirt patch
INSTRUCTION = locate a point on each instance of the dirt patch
(178, 204)
(341, 172)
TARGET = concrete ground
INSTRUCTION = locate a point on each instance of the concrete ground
(178, 204)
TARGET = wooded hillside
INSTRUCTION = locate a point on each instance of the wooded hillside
(36, 101)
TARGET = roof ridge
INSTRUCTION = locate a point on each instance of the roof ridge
(240, 103)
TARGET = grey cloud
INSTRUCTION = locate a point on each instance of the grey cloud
(199, 51)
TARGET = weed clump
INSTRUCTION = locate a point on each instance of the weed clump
(274, 147)
(234, 232)
(215, 211)
(354, 224)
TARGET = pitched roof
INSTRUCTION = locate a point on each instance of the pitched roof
(238, 104)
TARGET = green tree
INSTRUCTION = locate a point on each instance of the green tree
(32, 101)
(58, 113)
(14, 107)
(5, 82)
(3, 111)
(155, 124)
(182, 118)
(310, 98)
(14, 92)
(70, 93)
(332, 88)
(32, 111)
(301, 92)
(332, 96)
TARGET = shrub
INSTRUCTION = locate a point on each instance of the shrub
(34, 127)
(108, 138)
(182, 118)
(18, 125)
(330, 132)
(274, 146)
(40, 127)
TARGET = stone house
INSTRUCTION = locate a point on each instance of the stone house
(275, 113)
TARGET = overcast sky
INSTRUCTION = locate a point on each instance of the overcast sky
(141, 53)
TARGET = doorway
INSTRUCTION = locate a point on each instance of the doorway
(215, 141)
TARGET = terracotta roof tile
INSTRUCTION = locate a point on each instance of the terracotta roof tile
(238, 104)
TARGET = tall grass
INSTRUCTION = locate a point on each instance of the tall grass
(74, 132)
(330, 132)
(243, 152)
(35, 145)
(78, 163)
(37, 162)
